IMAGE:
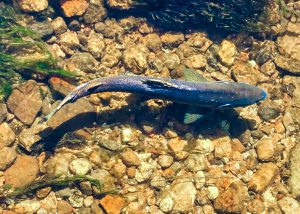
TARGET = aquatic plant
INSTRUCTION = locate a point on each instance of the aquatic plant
(52, 182)
(17, 45)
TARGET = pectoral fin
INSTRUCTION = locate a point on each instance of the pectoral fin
(193, 76)
(194, 114)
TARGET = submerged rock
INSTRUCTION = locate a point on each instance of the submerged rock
(23, 172)
(7, 157)
(295, 171)
(26, 101)
(32, 5)
(73, 7)
(7, 135)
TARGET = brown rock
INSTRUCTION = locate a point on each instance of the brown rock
(112, 204)
(73, 7)
(196, 61)
(59, 25)
(265, 149)
(7, 157)
(263, 177)
(23, 172)
(60, 86)
(7, 136)
(222, 147)
(232, 199)
(130, 158)
(177, 147)
(25, 101)
(227, 53)
(106, 180)
(119, 170)
(135, 58)
(73, 115)
(63, 207)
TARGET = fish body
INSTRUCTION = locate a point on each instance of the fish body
(212, 95)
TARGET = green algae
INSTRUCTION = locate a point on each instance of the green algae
(9, 192)
(22, 52)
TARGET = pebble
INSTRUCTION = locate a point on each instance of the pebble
(58, 165)
(81, 63)
(7, 157)
(293, 183)
(111, 56)
(152, 42)
(269, 110)
(246, 72)
(181, 193)
(43, 28)
(172, 39)
(213, 192)
(196, 61)
(73, 7)
(80, 166)
(130, 158)
(118, 170)
(25, 101)
(199, 41)
(60, 86)
(158, 182)
(59, 25)
(289, 205)
(126, 135)
(106, 180)
(196, 162)
(112, 203)
(199, 179)
(135, 58)
(7, 136)
(3, 112)
(96, 45)
(204, 146)
(166, 204)
(177, 146)
(49, 204)
(222, 147)
(144, 172)
(165, 160)
(69, 39)
(64, 207)
(23, 172)
(88, 201)
(76, 201)
(265, 149)
(96, 12)
(32, 5)
(227, 53)
(263, 177)
(232, 199)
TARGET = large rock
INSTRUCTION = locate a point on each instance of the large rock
(73, 115)
(26, 101)
(7, 136)
(289, 48)
(32, 5)
(23, 172)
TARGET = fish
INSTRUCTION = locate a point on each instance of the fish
(195, 91)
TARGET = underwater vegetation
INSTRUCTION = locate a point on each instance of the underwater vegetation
(22, 53)
(228, 15)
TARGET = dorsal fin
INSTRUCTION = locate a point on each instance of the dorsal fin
(193, 76)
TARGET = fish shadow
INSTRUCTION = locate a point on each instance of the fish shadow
(152, 121)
